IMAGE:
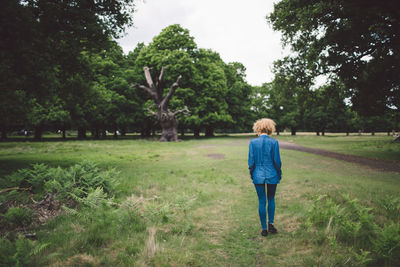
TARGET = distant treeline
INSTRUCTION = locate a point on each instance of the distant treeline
(61, 70)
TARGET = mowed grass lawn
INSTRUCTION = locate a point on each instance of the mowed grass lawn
(195, 205)
(379, 146)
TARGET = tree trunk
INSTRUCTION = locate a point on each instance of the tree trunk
(182, 132)
(123, 132)
(96, 133)
(323, 132)
(81, 133)
(3, 133)
(209, 131)
(347, 133)
(293, 130)
(317, 133)
(277, 132)
(115, 134)
(167, 119)
(196, 132)
(169, 126)
(104, 133)
(38, 132)
(146, 132)
(64, 136)
(372, 133)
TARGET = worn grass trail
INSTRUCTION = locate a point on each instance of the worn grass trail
(199, 205)
(374, 147)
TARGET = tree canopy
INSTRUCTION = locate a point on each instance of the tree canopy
(44, 48)
(355, 40)
(209, 87)
(61, 70)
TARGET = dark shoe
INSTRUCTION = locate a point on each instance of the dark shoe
(264, 232)
(272, 229)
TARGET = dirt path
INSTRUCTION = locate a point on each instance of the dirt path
(372, 163)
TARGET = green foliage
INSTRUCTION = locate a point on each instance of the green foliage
(391, 206)
(215, 92)
(76, 181)
(331, 37)
(205, 213)
(20, 252)
(85, 184)
(348, 225)
(387, 243)
(44, 43)
(96, 198)
(17, 217)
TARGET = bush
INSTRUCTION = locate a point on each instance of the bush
(76, 181)
(387, 244)
(81, 179)
(18, 217)
(346, 224)
(86, 184)
(20, 252)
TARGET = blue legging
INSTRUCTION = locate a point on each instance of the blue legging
(271, 188)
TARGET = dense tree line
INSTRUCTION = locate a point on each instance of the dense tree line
(47, 49)
(67, 73)
(353, 44)
(60, 69)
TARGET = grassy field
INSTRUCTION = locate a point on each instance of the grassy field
(379, 146)
(192, 203)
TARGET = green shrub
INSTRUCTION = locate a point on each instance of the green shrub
(35, 177)
(387, 244)
(86, 184)
(391, 206)
(346, 225)
(81, 179)
(77, 181)
(20, 252)
(17, 217)
(7, 250)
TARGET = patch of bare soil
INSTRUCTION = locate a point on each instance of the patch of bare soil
(216, 156)
(382, 165)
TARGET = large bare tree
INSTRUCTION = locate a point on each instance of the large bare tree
(167, 118)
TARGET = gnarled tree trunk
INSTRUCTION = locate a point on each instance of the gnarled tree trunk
(167, 118)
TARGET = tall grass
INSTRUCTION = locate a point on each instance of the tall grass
(352, 233)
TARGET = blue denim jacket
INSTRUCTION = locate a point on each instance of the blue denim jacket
(264, 160)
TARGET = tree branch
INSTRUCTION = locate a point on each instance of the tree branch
(165, 101)
(185, 110)
(152, 93)
(159, 83)
(151, 111)
(365, 53)
(160, 78)
(15, 188)
(148, 77)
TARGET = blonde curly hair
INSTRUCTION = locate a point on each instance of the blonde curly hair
(264, 126)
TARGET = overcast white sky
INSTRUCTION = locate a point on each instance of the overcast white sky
(236, 29)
